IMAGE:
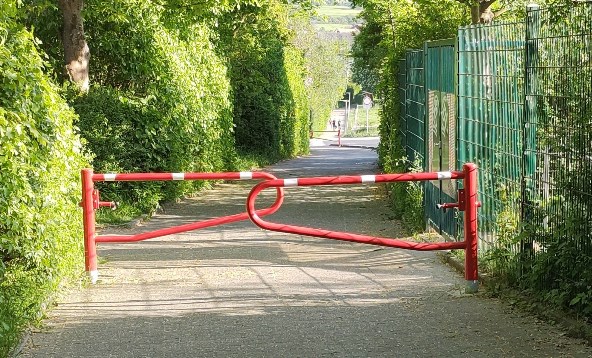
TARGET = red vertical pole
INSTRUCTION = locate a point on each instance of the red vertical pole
(88, 219)
(339, 137)
(470, 189)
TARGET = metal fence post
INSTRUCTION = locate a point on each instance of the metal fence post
(88, 219)
(470, 221)
(529, 146)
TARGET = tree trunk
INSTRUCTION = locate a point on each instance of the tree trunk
(481, 12)
(76, 52)
(475, 14)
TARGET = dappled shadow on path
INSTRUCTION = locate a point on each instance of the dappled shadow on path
(238, 291)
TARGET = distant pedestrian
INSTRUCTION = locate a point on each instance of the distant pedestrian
(334, 125)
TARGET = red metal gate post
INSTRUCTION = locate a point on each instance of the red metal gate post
(91, 202)
(88, 220)
(470, 222)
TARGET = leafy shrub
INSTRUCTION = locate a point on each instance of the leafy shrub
(160, 100)
(168, 99)
(270, 114)
(40, 161)
(296, 129)
(406, 198)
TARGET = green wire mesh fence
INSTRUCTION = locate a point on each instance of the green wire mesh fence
(490, 110)
(524, 115)
(557, 193)
(415, 104)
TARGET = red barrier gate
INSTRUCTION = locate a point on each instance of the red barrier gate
(467, 202)
(91, 202)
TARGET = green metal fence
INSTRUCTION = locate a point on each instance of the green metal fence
(557, 195)
(439, 61)
(415, 104)
(490, 110)
(524, 115)
(401, 92)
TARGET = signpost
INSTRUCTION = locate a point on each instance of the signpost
(367, 105)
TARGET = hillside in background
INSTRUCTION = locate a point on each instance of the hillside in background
(339, 18)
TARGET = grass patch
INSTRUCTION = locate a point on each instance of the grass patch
(357, 117)
(333, 27)
(337, 11)
(335, 18)
(361, 132)
(123, 214)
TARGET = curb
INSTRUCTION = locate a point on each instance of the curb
(25, 338)
(452, 261)
(352, 146)
(574, 328)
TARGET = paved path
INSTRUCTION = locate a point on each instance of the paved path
(330, 138)
(238, 291)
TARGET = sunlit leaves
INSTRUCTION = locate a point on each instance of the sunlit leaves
(40, 160)
(267, 77)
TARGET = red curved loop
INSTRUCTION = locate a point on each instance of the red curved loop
(344, 236)
(195, 225)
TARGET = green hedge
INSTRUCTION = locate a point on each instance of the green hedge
(161, 101)
(297, 127)
(267, 76)
(167, 98)
(179, 92)
(40, 161)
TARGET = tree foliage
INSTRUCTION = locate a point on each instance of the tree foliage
(324, 57)
(256, 41)
(40, 158)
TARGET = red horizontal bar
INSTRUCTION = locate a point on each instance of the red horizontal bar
(180, 176)
(344, 236)
(180, 228)
(361, 179)
(195, 225)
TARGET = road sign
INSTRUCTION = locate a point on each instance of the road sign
(367, 102)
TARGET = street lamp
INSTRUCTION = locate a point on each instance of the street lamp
(347, 108)
(344, 125)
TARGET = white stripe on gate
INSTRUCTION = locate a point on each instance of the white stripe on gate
(246, 175)
(291, 182)
(178, 176)
(444, 175)
(368, 178)
(109, 177)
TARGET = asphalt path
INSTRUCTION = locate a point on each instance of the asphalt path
(239, 291)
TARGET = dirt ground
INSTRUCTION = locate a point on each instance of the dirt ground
(239, 291)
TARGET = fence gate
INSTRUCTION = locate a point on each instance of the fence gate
(465, 201)
(440, 69)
